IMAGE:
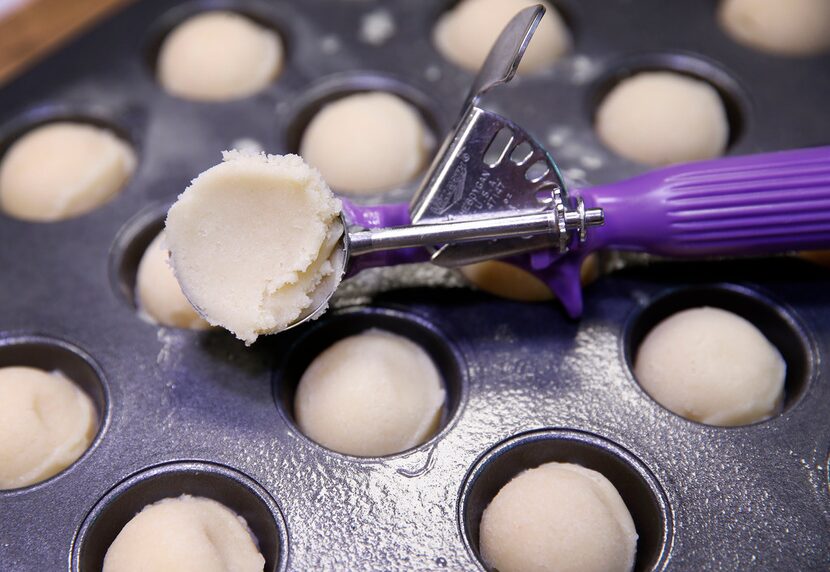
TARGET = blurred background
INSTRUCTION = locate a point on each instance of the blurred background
(29, 29)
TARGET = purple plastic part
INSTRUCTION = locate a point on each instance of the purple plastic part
(756, 204)
(381, 216)
(560, 272)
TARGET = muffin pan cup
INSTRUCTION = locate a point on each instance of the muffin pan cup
(638, 488)
(231, 488)
(710, 498)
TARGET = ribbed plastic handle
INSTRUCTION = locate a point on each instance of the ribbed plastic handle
(755, 204)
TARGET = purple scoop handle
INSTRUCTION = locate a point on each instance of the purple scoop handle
(756, 204)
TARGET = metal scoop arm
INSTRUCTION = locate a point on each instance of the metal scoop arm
(379, 245)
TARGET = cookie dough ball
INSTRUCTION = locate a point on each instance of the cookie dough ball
(712, 366)
(660, 118)
(185, 534)
(465, 33)
(558, 517)
(793, 28)
(367, 143)
(514, 283)
(219, 56)
(371, 394)
(61, 170)
(47, 423)
(254, 242)
(821, 257)
(159, 295)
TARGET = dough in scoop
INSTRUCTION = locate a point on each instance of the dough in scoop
(660, 118)
(791, 28)
(371, 394)
(558, 517)
(252, 238)
(62, 170)
(367, 143)
(219, 56)
(158, 292)
(712, 366)
(46, 424)
(185, 534)
(466, 32)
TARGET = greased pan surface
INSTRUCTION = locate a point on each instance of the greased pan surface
(198, 413)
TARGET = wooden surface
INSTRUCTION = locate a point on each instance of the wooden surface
(42, 26)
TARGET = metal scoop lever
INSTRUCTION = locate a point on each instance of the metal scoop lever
(489, 168)
(548, 223)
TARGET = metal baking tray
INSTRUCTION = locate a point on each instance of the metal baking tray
(197, 412)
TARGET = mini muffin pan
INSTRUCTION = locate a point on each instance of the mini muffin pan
(184, 412)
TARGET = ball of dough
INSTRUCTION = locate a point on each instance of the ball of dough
(367, 143)
(558, 517)
(466, 32)
(254, 242)
(371, 394)
(47, 424)
(61, 170)
(792, 28)
(219, 56)
(660, 118)
(514, 283)
(185, 534)
(159, 295)
(821, 257)
(712, 366)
